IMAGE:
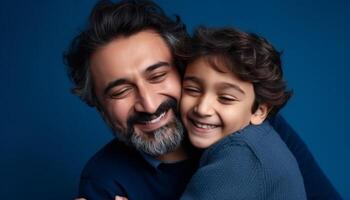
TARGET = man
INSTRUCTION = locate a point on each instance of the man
(127, 63)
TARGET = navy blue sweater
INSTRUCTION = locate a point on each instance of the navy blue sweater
(252, 163)
(117, 169)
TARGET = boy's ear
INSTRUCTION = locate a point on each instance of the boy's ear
(259, 115)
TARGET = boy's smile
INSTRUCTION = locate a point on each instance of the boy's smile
(200, 126)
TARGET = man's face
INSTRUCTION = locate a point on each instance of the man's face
(138, 87)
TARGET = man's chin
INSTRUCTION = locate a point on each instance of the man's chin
(153, 135)
(160, 141)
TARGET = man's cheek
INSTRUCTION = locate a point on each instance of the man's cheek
(119, 115)
(172, 87)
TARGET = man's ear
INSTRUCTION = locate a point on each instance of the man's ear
(260, 114)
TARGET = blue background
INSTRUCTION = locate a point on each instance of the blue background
(47, 134)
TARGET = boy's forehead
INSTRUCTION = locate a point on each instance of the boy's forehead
(217, 62)
(214, 76)
(206, 66)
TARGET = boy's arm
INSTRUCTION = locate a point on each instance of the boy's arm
(93, 189)
(317, 185)
(232, 173)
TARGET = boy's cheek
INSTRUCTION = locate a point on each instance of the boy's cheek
(185, 105)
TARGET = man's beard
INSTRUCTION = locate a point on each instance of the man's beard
(158, 142)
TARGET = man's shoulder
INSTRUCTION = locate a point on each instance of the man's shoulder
(112, 159)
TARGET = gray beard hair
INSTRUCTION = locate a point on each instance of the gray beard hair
(157, 143)
(162, 141)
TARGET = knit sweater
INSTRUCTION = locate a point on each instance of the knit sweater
(253, 163)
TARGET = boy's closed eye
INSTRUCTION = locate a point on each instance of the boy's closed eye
(191, 90)
(227, 99)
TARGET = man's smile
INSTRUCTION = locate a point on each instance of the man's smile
(156, 123)
(156, 119)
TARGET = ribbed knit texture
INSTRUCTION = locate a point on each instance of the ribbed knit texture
(253, 163)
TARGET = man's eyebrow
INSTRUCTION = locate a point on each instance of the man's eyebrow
(114, 83)
(157, 65)
(124, 81)
(234, 86)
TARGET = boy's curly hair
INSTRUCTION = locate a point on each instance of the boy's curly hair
(250, 57)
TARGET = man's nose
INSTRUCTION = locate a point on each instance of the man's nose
(147, 100)
(204, 107)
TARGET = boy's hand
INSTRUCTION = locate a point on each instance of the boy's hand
(116, 198)
(120, 198)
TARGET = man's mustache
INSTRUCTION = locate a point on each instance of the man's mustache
(143, 117)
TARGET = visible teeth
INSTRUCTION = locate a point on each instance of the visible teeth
(156, 119)
(204, 126)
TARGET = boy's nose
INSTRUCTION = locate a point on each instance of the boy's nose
(204, 107)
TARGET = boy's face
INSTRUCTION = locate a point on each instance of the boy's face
(214, 102)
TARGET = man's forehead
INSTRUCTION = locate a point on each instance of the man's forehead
(138, 51)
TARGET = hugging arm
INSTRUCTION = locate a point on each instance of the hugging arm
(317, 185)
(94, 189)
(229, 174)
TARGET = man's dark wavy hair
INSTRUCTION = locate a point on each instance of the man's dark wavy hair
(250, 57)
(109, 21)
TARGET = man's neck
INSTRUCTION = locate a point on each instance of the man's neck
(178, 154)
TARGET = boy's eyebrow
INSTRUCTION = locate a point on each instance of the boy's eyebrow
(234, 86)
(223, 85)
(192, 78)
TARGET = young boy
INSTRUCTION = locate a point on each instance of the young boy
(232, 84)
